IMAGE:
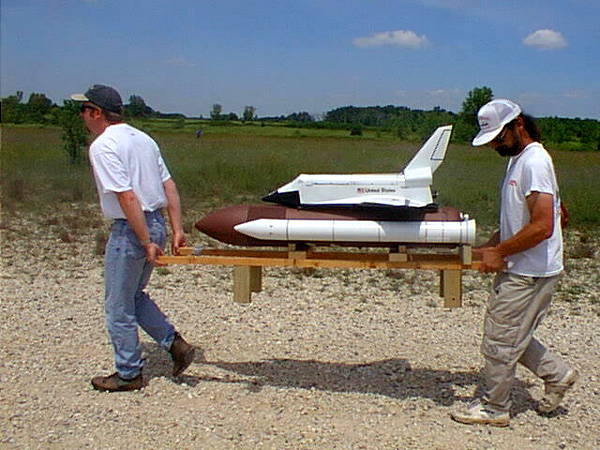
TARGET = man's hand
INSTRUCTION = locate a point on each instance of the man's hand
(174, 211)
(179, 241)
(153, 251)
(491, 259)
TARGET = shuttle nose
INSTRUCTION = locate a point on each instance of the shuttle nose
(291, 199)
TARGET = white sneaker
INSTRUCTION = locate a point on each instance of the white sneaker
(555, 392)
(480, 413)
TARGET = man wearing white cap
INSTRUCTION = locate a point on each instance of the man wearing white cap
(526, 254)
(134, 185)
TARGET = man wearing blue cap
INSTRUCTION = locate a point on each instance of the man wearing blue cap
(134, 185)
(526, 255)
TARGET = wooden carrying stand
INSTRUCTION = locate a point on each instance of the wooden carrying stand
(247, 272)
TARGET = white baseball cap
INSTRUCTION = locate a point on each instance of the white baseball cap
(492, 117)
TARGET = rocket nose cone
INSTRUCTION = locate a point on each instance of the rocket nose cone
(219, 224)
(207, 224)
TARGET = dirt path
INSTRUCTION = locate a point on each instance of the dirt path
(326, 359)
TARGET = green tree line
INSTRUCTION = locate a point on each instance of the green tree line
(401, 121)
(413, 124)
(39, 109)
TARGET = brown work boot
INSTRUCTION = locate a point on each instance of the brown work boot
(182, 354)
(114, 383)
(554, 392)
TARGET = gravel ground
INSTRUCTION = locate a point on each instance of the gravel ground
(321, 359)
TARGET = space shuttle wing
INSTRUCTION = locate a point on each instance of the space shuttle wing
(373, 201)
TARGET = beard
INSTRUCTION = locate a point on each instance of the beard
(511, 150)
(505, 150)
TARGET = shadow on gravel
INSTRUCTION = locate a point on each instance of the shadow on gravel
(394, 378)
(158, 363)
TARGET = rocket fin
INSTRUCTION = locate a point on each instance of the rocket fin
(433, 151)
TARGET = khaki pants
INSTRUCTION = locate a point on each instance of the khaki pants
(517, 306)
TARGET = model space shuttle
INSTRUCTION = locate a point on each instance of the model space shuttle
(350, 209)
(409, 189)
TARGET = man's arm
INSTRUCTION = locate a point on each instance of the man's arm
(492, 241)
(137, 220)
(174, 212)
(539, 228)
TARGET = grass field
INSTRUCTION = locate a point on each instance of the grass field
(241, 164)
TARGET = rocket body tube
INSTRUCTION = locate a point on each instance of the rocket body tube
(360, 231)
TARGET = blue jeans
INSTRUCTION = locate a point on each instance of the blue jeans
(126, 305)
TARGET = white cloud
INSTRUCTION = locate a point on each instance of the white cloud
(575, 94)
(180, 62)
(546, 40)
(444, 93)
(447, 98)
(398, 38)
(450, 4)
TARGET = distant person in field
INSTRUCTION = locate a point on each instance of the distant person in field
(134, 185)
(527, 256)
(199, 133)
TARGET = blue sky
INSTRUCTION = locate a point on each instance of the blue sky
(286, 56)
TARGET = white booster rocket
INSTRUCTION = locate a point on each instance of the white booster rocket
(361, 231)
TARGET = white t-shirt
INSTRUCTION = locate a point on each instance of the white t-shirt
(530, 171)
(124, 158)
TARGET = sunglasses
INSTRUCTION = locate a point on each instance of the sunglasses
(83, 107)
(500, 138)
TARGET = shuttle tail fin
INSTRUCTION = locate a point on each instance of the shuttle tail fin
(433, 151)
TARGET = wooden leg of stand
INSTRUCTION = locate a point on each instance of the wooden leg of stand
(451, 288)
(246, 280)
(255, 278)
(466, 254)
